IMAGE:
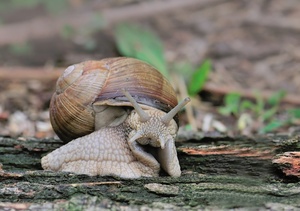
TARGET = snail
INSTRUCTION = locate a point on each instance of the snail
(116, 117)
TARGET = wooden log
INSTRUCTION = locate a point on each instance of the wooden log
(218, 173)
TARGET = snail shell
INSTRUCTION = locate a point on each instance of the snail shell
(90, 83)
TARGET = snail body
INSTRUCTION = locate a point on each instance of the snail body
(116, 117)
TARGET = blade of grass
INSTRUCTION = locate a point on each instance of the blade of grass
(247, 105)
(232, 103)
(276, 98)
(294, 112)
(268, 114)
(272, 126)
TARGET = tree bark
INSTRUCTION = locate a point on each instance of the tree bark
(218, 173)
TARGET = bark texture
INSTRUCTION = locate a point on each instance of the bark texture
(218, 173)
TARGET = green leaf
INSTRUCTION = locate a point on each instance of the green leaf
(268, 114)
(246, 104)
(232, 98)
(226, 111)
(272, 126)
(232, 103)
(188, 127)
(276, 98)
(133, 41)
(294, 112)
(199, 78)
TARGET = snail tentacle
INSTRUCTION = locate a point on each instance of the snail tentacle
(143, 115)
(169, 116)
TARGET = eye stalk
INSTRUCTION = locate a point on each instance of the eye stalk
(144, 117)
(169, 116)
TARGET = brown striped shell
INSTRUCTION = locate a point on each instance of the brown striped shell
(101, 82)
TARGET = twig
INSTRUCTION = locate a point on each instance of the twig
(26, 73)
(43, 27)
